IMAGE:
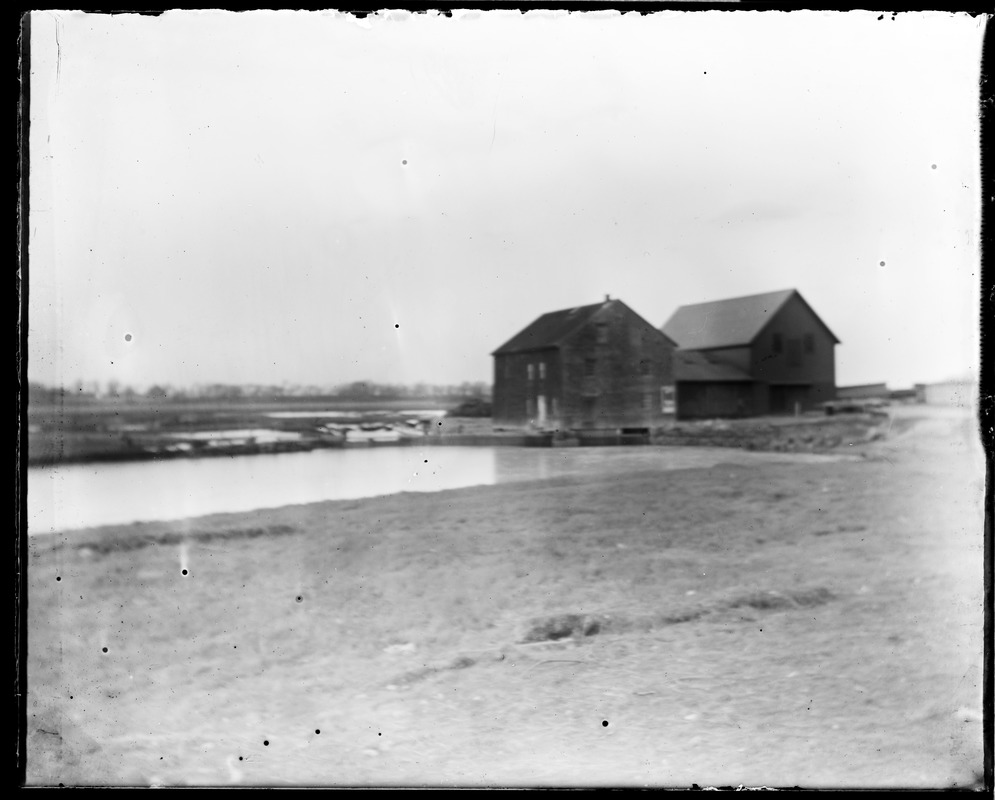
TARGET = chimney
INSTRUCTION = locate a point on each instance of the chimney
(608, 297)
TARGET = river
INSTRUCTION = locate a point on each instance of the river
(73, 496)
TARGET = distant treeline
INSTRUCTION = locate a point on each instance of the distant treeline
(83, 392)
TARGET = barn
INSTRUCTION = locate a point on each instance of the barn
(864, 391)
(947, 393)
(594, 367)
(747, 356)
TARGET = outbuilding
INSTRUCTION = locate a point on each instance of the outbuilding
(947, 393)
(864, 391)
(747, 356)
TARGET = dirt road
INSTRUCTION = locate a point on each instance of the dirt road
(809, 624)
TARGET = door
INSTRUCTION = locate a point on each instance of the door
(784, 398)
(588, 412)
(541, 414)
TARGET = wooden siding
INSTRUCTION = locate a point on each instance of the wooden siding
(702, 400)
(609, 374)
(616, 382)
(741, 357)
(815, 368)
(516, 397)
(792, 363)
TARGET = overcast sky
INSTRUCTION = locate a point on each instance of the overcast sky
(308, 198)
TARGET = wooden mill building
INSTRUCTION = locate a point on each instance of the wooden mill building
(599, 367)
(746, 356)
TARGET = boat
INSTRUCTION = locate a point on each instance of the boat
(330, 435)
(370, 434)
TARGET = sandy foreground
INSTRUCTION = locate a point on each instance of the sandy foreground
(785, 624)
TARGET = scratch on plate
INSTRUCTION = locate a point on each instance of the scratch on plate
(58, 52)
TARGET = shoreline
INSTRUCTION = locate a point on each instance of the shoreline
(299, 515)
(807, 434)
(242, 518)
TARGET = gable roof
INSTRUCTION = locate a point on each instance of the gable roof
(692, 365)
(729, 323)
(551, 329)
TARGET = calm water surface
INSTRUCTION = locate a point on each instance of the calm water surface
(84, 495)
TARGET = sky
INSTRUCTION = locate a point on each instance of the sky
(311, 198)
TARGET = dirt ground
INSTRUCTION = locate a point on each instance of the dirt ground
(788, 624)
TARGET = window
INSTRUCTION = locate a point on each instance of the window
(777, 344)
(556, 408)
(794, 352)
(809, 343)
(602, 329)
(542, 370)
(530, 372)
(648, 401)
(530, 407)
(667, 399)
(589, 365)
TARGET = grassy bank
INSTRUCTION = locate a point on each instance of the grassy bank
(786, 624)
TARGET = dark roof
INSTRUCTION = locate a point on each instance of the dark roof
(550, 329)
(692, 365)
(881, 386)
(728, 323)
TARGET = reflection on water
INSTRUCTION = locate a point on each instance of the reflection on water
(83, 495)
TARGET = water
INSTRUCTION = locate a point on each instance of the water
(83, 495)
